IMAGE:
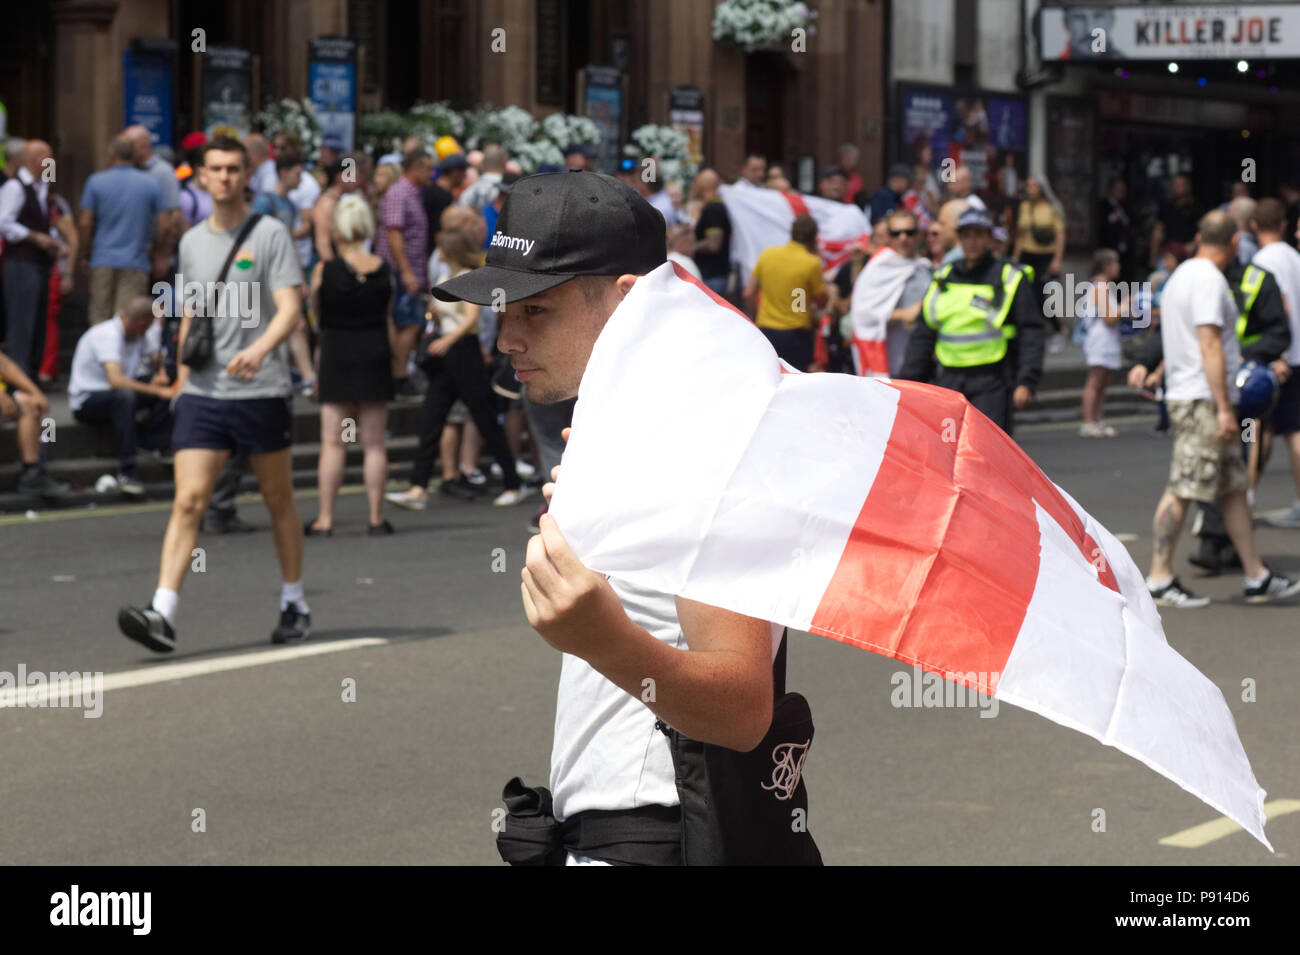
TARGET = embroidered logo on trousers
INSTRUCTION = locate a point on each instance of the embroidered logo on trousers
(788, 758)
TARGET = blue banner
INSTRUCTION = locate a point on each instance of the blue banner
(332, 87)
(147, 97)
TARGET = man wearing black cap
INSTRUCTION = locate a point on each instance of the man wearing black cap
(568, 247)
(890, 196)
(981, 328)
(437, 195)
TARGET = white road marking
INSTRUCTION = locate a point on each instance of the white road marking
(167, 672)
(1208, 832)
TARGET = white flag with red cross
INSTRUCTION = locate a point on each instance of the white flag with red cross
(888, 515)
(761, 218)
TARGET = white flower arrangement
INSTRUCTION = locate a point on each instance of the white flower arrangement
(540, 152)
(530, 143)
(511, 127)
(671, 147)
(291, 115)
(760, 24)
(563, 129)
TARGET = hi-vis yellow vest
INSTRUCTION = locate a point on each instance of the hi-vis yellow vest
(971, 319)
(1251, 280)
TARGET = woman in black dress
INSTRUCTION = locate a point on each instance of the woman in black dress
(351, 295)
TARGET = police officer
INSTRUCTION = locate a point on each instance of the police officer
(982, 327)
(1265, 336)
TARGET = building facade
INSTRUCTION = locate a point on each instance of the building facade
(63, 69)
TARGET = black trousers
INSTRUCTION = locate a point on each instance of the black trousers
(118, 407)
(460, 374)
(989, 391)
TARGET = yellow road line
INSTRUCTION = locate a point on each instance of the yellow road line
(1208, 832)
(147, 507)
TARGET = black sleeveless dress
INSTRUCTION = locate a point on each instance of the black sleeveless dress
(355, 364)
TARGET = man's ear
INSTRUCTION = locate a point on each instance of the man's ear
(624, 284)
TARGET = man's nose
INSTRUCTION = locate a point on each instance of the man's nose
(509, 335)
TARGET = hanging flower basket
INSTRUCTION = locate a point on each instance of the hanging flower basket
(761, 24)
(296, 116)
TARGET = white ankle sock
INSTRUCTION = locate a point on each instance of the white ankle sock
(165, 602)
(293, 594)
(1153, 584)
(1256, 581)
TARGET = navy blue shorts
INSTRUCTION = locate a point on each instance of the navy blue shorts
(1286, 416)
(239, 425)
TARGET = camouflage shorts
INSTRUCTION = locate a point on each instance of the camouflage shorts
(1203, 467)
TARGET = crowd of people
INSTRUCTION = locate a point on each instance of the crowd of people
(348, 249)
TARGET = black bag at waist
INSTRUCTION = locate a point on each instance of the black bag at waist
(648, 835)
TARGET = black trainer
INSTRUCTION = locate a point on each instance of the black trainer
(294, 627)
(1174, 594)
(147, 627)
(460, 487)
(1274, 587)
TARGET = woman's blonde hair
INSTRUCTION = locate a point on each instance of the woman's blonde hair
(353, 220)
(458, 247)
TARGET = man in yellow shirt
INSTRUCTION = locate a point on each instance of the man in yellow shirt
(789, 279)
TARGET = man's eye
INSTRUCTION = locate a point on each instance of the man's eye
(533, 309)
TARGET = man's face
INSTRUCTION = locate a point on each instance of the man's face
(575, 161)
(422, 172)
(454, 179)
(1182, 187)
(974, 242)
(328, 156)
(832, 187)
(290, 177)
(902, 235)
(549, 338)
(755, 170)
(961, 184)
(934, 239)
(223, 175)
(36, 156)
(134, 327)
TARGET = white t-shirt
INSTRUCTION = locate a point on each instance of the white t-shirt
(607, 753)
(1284, 262)
(1196, 294)
(107, 342)
(304, 196)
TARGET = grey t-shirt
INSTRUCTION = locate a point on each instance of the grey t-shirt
(896, 333)
(264, 263)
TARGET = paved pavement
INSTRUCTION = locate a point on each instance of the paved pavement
(454, 694)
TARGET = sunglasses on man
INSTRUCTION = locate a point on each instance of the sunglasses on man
(897, 232)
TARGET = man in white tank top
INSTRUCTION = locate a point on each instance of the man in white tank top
(568, 247)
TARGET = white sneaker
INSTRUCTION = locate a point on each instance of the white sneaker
(131, 486)
(524, 470)
(412, 500)
(509, 498)
(1288, 518)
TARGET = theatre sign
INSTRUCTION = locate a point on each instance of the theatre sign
(1206, 31)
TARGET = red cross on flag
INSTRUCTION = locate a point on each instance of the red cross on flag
(888, 515)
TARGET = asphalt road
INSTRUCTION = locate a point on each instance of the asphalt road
(454, 694)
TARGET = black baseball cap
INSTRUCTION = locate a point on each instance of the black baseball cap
(557, 225)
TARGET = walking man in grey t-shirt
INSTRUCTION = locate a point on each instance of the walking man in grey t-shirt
(240, 401)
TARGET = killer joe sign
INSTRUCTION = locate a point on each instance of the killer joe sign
(1207, 31)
